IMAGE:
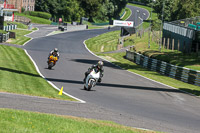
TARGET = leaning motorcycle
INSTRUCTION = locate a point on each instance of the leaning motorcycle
(91, 79)
(52, 61)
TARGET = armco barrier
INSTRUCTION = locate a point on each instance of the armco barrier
(180, 73)
(4, 37)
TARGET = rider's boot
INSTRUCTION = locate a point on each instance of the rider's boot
(84, 79)
(99, 80)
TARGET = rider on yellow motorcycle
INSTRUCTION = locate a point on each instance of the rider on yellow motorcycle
(54, 52)
(53, 58)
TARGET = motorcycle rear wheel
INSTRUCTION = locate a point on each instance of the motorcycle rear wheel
(85, 88)
(89, 87)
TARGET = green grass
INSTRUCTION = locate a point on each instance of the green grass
(55, 32)
(3, 31)
(119, 59)
(109, 42)
(23, 121)
(35, 19)
(101, 23)
(128, 13)
(104, 42)
(19, 25)
(18, 75)
(19, 33)
(18, 72)
(20, 38)
(175, 57)
(95, 27)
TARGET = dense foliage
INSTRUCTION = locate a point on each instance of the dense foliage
(104, 10)
(39, 14)
(177, 9)
(173, 9)
(73, 10)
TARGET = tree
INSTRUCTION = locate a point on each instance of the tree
(68, 9)
(186, 9)
(73, 10)
(91, 7)
(49, 6)
(119, 5)
(165, 8)
(177, 9)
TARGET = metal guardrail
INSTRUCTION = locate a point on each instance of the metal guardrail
(4, 37)
(184, 31)
(180, 73)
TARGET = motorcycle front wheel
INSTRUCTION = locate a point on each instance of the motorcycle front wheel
(50, 65)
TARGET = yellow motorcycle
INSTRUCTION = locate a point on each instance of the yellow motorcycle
(52, 61)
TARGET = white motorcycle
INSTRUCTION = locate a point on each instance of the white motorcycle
(91, 79)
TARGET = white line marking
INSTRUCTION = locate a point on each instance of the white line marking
(51, 82)
(44, 77)
(115, 65)
(135, 73)
(130, 14)
(24, 95)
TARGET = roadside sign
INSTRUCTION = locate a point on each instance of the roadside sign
(123, 23)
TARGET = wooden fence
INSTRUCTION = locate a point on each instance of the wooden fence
(22, 19)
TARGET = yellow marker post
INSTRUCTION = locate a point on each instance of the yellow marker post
(61, 90)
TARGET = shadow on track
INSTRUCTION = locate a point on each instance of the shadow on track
(118, 85)
(92, 62)
(18, 72)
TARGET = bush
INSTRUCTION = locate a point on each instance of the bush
(3, 32)
(39, 14)
(156, 24)
(23, 9)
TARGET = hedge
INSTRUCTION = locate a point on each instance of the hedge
(39, 14)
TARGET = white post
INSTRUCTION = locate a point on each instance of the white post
(161, 26)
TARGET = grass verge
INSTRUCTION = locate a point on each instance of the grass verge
(19, 25)
(20, 76)
(36, 20)
(104, 43)
(108, 42)
(20, 33)
(127, 14)
(20, 38)
(23, 121)
(96, 27)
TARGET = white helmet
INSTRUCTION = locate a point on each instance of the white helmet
(55, 49)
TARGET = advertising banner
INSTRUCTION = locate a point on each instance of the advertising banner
(123, 23)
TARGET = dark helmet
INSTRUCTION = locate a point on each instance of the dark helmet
(55, 50)
(100, 64)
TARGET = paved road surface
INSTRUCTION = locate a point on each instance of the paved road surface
(143, 14)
